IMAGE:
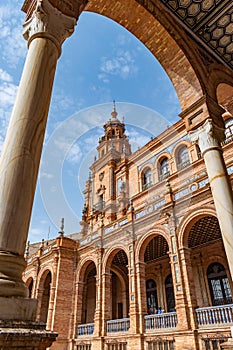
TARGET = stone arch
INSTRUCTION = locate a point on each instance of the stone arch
(42, 275)
(178, 146)
(82, 266)
(189, 220)
(146, 168)
(82, 312)
(145, 239)
(30, 284)
(115, 268)
(109, 256)
(159, 160)
(147, 28)
(43, 294)
(224, 94)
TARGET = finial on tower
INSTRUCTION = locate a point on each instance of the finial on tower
(114, 112)
(61, 232)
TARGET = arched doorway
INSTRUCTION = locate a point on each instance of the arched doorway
(29, 284)
(209, 263)
(119, 286)
(170, 296)
(219, 286)
(151, 296)
(89, 295)
(156, 269)
(45, 298)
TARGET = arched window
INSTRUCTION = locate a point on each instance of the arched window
(229, 129)
(170, 297)
(146, 179)
(182, 158)
(151, 296)
(164, 170)
(219, 285)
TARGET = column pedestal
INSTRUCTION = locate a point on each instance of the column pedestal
(20, 335)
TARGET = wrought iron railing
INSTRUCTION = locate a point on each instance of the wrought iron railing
(227, 140)
(215, 315)
(85, 329)
(160, 321)
(146, 186)
(164, 176)
(183, 165)
(118, 326)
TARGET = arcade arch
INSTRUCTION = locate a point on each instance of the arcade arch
(158, 289)
(43, 295)
(86, 292)
(207, 256)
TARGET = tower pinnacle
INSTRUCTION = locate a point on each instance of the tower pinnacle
(114, 112)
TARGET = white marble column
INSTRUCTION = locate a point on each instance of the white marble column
(208, 137)
(45, 31)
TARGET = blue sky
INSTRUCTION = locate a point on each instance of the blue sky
(99, 63)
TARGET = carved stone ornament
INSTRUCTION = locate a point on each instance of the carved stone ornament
(47, 21)
(208, 136)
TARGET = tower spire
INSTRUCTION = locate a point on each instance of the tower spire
(114, 112)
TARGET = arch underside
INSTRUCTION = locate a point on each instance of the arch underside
(153, 35)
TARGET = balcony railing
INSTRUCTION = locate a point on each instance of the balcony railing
(85, 329)
(215, 315)
(183, 165)
(161, 321)
(146, 186)
(99, 206)
(164, 176)
(118, 326)
(227, 140)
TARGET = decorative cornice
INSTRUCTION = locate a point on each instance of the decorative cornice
(48, 22)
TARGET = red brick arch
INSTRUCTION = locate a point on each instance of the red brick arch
(140, 22)
(145, 239)
(189, 220)
(109, 256)
(82, 268)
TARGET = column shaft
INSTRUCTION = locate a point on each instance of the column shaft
(45, 31)
(209, 137)
(22, 148)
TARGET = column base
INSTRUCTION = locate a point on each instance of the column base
(20, 309)
(19, 335)
(11, 269)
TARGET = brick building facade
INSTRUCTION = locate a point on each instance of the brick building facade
(148, 270)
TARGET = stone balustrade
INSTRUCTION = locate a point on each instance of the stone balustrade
(118, 326)
(85, 329)
(160, 321)
(215, 315)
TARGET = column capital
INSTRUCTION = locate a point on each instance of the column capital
(208, 136)
(48, 22)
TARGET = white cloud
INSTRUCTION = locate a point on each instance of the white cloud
(46, 175)
(5, 76)
(12, 44)
(121, 64)
(8, 92)
(74, 155)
